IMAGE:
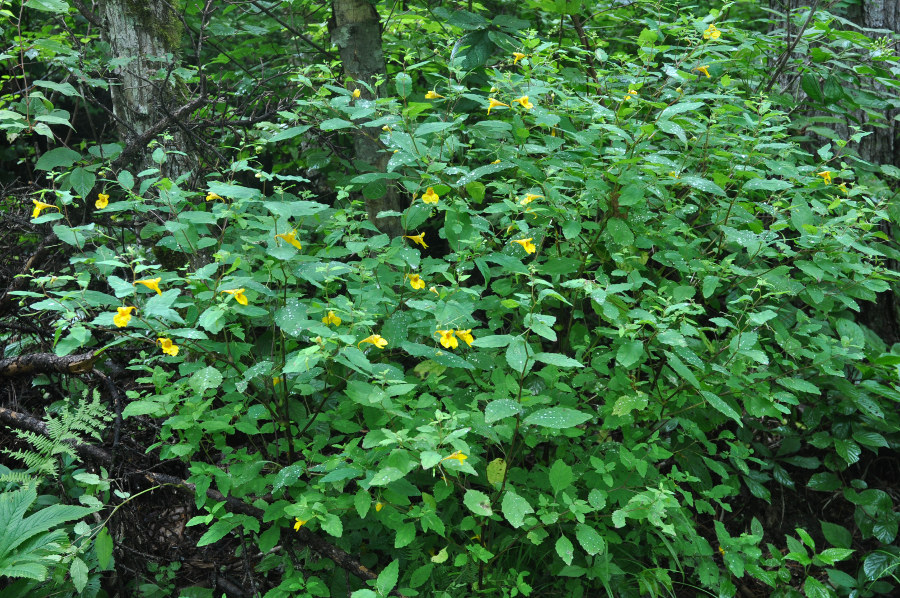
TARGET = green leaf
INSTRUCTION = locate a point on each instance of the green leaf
(205, 379)
(629, 353)
(628, 403)
(703, 185)
(767, 185)
(79, 572)
(103, 548)
(60, 157)
(406, 533)
(561, 476)
(619, 231)
(478, 502)
(592, 542)
(332, 525)
(496, 471)
(565, 549)
(217, 531)
(679, 108)
(497, 340)
(813, 588)
(421, 575)
(722, 407)
(810, 85)
(557, 417)
(333, 124)
(557, 360)
(289, 133)
(403, 84)
(516, 354)
(387, 579)
(82, 181)
(499, 409)
(515, 508)
(830, 556)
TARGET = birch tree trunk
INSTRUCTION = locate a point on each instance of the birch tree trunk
(357, 33)
(145, 40)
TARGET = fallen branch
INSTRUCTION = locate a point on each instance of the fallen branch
(47, 363)
(346, 561)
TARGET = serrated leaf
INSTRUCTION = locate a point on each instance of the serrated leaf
(561, 476)
(629, 353)
(515, 508)
(478, 502)
(403, 84)
(721, 406)
(557, 417)
(496, 471)
(217, 531)
(565, 549)
(387, 579)
(500, 409)
(592, 542)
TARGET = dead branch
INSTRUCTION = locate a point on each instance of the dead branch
(47, 363)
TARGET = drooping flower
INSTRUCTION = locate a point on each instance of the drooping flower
(448, 341)
(356, 93)
(702, 69)
(530, 198)
(276, 380)
(844, 188)
(458, 455)
(712, 33)
(630, 93)
(526, 244)
(123, 316)
(418, 239)
(378, 506)
(40, 206)
(466, 335)
(102, 201)
(151, 283)
(433, 95)
(497, 161)
(298, 523)
(211, 196)
(386, 129)
(415, 281)
(238, 295)
(826, 176)
(524, 102)
(492, 103)
(430, 196)
(330, 319)
(375, 339)
(291, 238)
(435, 291)
(518, 56)
(167, 346)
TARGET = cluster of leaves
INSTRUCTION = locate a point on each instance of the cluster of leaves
(624, 304)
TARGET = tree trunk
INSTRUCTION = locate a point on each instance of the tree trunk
(357, 33)
(145, 39)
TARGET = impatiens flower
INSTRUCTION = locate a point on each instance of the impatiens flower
(530, 198)
(418, 239)
(497, 161)
(630, 93)
(375, 339)
(39, 206)
(492, 103)
(167, 346)
(356, 93)
(843, 188)
(525, 103)
(386, 129)
(123, 316)
(298, 523)
(702, 69)
(448, 341)
(430, 196)
(276, 381)
(433, 95)
(150, 283)
(378, 507)
(238, 295)
(435, 291)
(415, 281)
(826, 176)
(330, 319)
(712, 33)
(102, 201)
(291, 238)
(466, 335)
(518, 56)
(458, 455)
(526, 244)
(211, 196)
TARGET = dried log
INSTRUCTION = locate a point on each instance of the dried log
(47, 363)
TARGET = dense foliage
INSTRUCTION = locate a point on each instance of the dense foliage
(624, 313)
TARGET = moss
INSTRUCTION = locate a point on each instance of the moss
(168, 28)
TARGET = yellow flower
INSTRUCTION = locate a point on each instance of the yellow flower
(466, 335)
(435, 291)
(843, 188)
(525, 103)
(497, 161)
(415, 281)
(458, 455)
(123, 316)
(276, 381)
(721, 550)
(298, 523)
(526, 244)
(826, 176)
(378, 507)
(330, 319)
(150, 283)
(433, 95)
(712, 33)
(630, 93)
(291, 238)
(386, 129)
(492, 103)
(374, 339)
(448, 341)
(418, 239)
(238, 295)
(702, 69)
(38, 206)
(430, 196)
(518, 56)
(167, 346)
(211, 196)
(530, 198)
(102, 201)
(356, 93)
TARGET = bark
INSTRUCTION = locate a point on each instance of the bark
(357, 33)
(145, 40)
(46, 363)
